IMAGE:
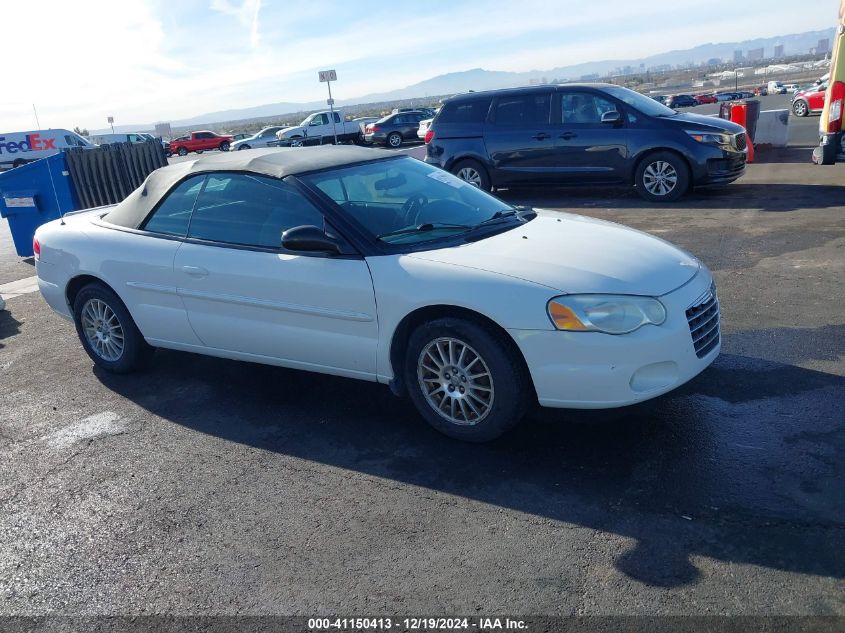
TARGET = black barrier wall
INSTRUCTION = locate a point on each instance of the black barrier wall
(107, 174)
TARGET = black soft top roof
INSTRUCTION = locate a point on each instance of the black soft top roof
(275, 162)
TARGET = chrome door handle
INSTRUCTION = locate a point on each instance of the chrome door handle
(568, 135)
(542, 136)
(195, 271)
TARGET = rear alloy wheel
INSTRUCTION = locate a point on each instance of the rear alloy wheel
(224, 146)
(662, 177)
(800, 108)
(394, 139)
(107, 331)
(182, 151)
(465, 380)
(473, 173)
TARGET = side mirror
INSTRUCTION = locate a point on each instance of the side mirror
(310, 239)
(612, 117)
(315, 122)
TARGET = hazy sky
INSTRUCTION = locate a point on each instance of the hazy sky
(159, 60)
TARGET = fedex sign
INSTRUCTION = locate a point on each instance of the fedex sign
(31, 143)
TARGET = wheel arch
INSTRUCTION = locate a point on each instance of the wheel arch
(415, 318)
(78, 282)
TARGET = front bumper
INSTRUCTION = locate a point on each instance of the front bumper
(590, 370)
(724, 169)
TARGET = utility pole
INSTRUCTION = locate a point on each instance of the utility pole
(37, 122)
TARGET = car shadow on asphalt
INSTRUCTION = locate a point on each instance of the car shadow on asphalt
(743, 464)
(736, 196)
(9, 325)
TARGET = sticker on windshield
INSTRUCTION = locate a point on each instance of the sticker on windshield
(447, 178)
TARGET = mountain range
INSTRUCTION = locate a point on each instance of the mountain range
(481, 79)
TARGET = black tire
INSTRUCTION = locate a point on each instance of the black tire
(182, 151)
(240, 147)
(511, 391)
(18, 162)
(296, 141)
(800, 108)
(224, 146)
(464, 168)
(394, 140)
(136, 352)
(652, 166)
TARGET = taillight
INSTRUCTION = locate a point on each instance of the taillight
(374, 128)
(428, 136)
(834, 111)
(36, 247)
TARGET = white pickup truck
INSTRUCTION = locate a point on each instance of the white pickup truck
(317, 129)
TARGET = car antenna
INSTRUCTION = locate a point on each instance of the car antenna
(56, 195)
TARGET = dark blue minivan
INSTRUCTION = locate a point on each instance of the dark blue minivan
(583, 134)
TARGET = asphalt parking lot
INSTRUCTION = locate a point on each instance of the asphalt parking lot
(205, 486)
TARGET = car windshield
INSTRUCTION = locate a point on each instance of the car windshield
(405, 201)
(646, 105)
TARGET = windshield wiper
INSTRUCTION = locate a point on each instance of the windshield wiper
(497, 216)
(424, 228)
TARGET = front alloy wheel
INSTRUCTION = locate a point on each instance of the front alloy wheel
(660, 178)
(466, 379)
(456, 381)
(394, 139)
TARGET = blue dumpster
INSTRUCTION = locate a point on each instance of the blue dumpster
(33, 194)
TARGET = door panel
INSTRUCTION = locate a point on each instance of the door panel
(519, 139)
(310, 311)
(244, 294)
(587, 150)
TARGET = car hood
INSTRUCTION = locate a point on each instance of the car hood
(576, 254)
(702, 122)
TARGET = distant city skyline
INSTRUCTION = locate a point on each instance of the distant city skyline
(149, 60)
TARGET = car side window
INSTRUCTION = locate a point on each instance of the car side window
(173, 214)
(249, 211)
(525, 110)
(583, 108)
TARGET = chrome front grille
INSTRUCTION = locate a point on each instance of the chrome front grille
(740, 142)
(703, 319)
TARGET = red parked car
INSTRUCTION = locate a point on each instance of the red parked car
(200, 141)
(809, 101)
(705, 99)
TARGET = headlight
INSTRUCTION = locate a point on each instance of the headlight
(710, 138)
(611, 314)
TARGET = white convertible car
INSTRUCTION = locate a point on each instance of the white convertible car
(361, 263)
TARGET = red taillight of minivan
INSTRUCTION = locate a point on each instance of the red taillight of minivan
(36, 247)
(834, 111)
(428, 136)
